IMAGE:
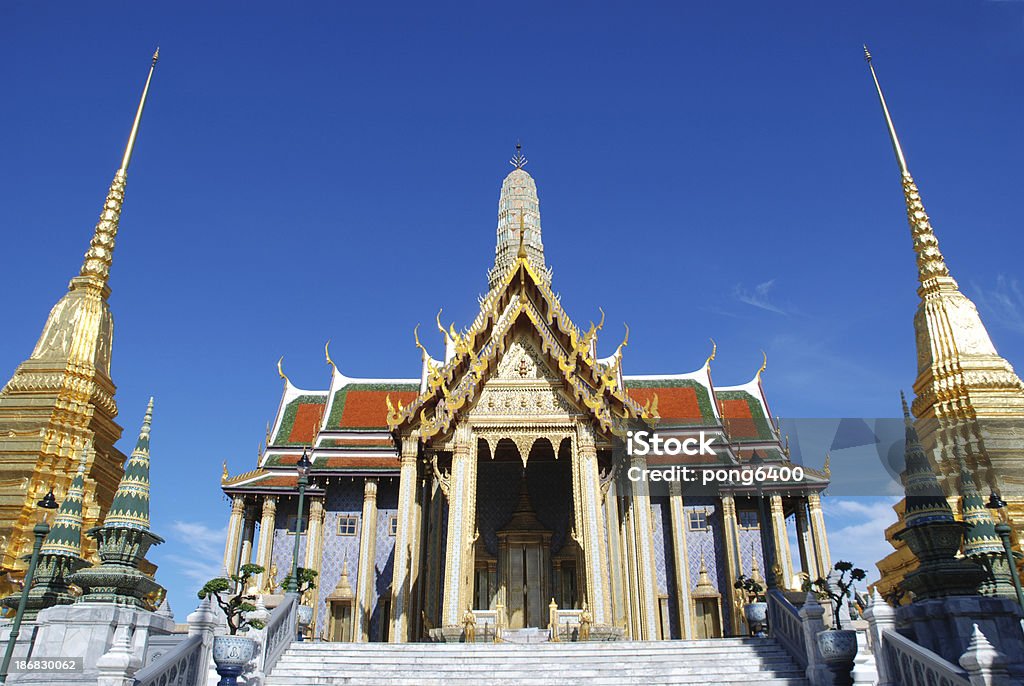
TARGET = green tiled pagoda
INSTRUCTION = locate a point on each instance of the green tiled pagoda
(125, 538)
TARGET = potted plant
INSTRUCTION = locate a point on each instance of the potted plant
(756, 608)
(232, 652)
(838, 646)
(304, 584)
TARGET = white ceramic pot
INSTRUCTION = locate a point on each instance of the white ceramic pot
(230, 656)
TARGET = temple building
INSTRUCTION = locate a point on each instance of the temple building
(62, 397)
(493, 481)
(966, 393)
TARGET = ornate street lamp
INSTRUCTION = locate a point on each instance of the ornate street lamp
(1003, 530)
(302, 467)
(44, 511)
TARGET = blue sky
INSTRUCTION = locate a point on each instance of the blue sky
(332, 171)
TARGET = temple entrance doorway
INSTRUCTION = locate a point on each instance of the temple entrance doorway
(525, 555)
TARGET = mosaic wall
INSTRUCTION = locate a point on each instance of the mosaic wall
(344, 499)
(712, 543)
(387, 507)
(664, 560)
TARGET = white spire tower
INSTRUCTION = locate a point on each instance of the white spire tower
(518, 212)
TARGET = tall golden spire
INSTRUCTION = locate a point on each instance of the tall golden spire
(931, 267)
(96, 267)
(62, 396)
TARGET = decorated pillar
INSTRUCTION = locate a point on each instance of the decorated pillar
(618, 592)
(808, 561)
(680, 556)
(406, 542)
(248, 533)
(823, 559)
(595, 548)
(461, 525)
(783, 555)
(234, 541)
(367, 554)
(643, 533)
(733, 559)
(265, 551)
(314, 548)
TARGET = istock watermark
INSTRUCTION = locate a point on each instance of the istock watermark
(646, 443)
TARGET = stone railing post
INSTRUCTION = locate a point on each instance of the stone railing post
(811, 614)
(864, 671)
(255, 673)
(117, 666)
(985, 665)
(881, 616)
(203, 621)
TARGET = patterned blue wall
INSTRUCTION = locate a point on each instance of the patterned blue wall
(712, 542)
(344, 498)
(664, 560)
(387, 507)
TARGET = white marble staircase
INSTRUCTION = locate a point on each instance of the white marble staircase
(726, 661)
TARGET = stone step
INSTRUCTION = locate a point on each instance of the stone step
(506, 680)
(706, 663)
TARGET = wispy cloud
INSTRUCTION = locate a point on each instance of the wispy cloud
(758, 296)
(205, 546)
(856, 530)
(1003, 303)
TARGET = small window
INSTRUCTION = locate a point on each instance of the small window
(748, 519)
(347, 525)
(290, 525)
(698, 520)
(393, 526)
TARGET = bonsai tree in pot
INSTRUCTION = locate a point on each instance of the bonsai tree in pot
(838, 646)
(756, 609)
(232, 652)
(304, 582)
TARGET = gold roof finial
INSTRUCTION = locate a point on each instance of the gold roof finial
(518, 160)
(96, 267)
(327, 353)
(930, 263)
(625, 341)
(416, 335)
(280, 371)
(714, 350)
(764, 366)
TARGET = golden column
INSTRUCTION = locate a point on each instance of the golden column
(367, 555)
(248, 532)
(822, 557)
(461, 525)
(783, 555)
(643, 534)
(406, 542)
(265, 550)
(618, 584)
(733, 559)
(234, 541)
(680, 556)
(314, 549)
(808, 560)
(595, 548)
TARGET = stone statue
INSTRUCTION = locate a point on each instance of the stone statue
(469, 625)
(586, 619)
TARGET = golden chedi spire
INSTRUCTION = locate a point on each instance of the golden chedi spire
(62, 396)
(964, 389)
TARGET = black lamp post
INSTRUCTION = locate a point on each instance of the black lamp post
(1003, 531)
(46, 506)
(302, 467)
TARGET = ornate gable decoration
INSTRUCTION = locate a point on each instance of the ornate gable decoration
(484, 350)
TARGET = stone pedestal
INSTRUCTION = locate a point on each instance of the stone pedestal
(86, 630)
(945, 626)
